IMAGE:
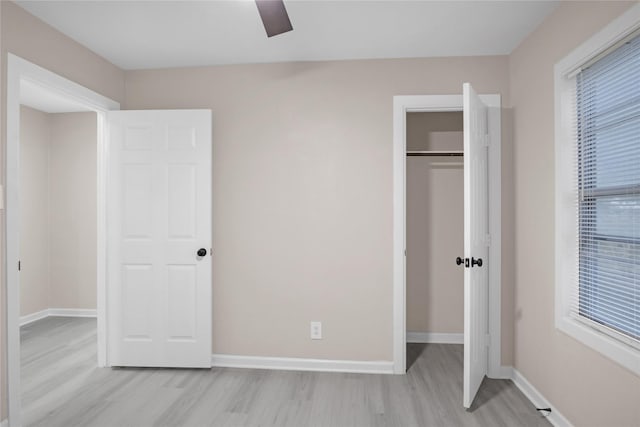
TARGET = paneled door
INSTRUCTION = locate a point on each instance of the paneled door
(476, 232)
(159, 238)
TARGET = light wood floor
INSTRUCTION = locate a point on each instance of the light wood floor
(62, 387)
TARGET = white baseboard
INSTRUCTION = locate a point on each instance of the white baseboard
(4, 423)
(299, 364)
(555, 417)
(502, 373)
(30, 318)
(434, 338)
(73, 312)
(58, 312)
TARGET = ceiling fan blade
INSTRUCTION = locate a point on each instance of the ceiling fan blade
(274, 17)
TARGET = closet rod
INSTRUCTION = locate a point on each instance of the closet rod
(448, 164)
(435, 153)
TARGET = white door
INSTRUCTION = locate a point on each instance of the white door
(159, 226)
(476, 229)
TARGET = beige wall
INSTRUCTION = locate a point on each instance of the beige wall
(73, 215)
(435, 203)
(302, 203)
(28, 37)
(35, 134)
(586, 387)
(58, 210)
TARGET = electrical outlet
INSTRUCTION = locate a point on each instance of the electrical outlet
(316, 330)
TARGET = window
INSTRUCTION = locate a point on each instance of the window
(608, 186)
(597, 140)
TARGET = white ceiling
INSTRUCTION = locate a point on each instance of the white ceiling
(160, 34)
(35, 96)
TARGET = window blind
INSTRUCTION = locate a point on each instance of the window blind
(608, 187)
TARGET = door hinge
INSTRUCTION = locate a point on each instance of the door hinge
(486, 127)
(485, 140)
(487, 339)
(487, 239)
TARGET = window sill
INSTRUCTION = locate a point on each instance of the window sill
(615, 350)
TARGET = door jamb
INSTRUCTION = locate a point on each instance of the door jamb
(439, 103)
(20, 69)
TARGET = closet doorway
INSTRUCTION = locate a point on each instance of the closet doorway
(447, 180)
(435, 227)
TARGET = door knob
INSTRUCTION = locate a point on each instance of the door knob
(459, 260)
(202, 252)
(477, 262)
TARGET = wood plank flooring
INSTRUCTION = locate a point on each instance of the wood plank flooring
(62, 387)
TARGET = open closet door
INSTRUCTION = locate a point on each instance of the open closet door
(476, 231)
(159, 238)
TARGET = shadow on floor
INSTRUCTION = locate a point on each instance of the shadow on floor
(489, 390)
(414, 351)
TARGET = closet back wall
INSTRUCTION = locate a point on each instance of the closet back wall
(435, 203)
(58, 203)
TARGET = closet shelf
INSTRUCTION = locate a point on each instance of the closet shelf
(435, 153)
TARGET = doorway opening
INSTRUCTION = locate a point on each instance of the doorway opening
(435, 230)
(34, 95)
(447, 108)
(58, 146)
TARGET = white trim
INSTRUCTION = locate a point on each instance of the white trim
(19, 69)
(34, 317)
(300, 364)
(425, 103)
(504, 373)
(57, 312)
(101, 240)
(4, 423)
(494, 104)
(73, 312)
(434, 338)
(539, 401)
(566, 237)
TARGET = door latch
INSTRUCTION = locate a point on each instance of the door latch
(475, 262)
(459, 261)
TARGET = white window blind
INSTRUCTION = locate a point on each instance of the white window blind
(608, 185)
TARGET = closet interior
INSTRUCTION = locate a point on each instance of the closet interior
(434, 226)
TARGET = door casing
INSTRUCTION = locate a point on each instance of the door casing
(18, 70)
(440, 103)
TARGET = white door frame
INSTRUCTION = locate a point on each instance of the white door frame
(437, 103)
(18, 70)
